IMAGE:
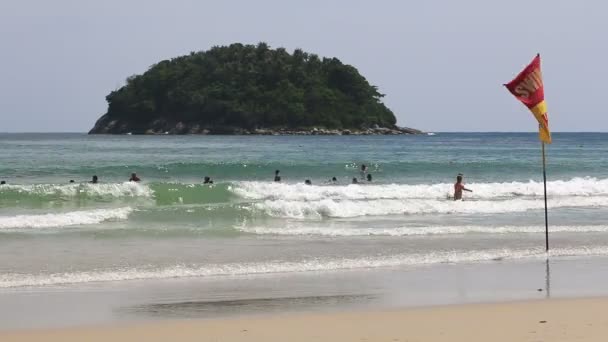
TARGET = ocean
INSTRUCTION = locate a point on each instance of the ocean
(171, 226)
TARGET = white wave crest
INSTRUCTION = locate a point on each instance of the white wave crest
(382, 207)
(126, 189)
(311, 265)
(300, 192)
(72, 218)
(414, 231)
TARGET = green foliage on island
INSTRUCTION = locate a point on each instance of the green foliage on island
(251, 86)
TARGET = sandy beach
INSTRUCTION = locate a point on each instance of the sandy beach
(542, 320)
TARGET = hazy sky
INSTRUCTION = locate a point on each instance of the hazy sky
(441, 63)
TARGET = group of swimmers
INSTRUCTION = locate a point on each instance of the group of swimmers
(365, 176)
(134, 178)
(458, 186)
(95, 179)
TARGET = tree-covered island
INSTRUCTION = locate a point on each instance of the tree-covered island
(248, 89)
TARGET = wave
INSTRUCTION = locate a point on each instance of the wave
(300, 192)
(84, 190)
(384, 207)
(415, 231)
(161, 193)
(299, 200)
(588, 186)
(73, 218)
(310, 265)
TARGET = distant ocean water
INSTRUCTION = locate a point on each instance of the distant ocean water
(171, 225)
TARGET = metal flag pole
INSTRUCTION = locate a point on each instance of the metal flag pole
(546, 212)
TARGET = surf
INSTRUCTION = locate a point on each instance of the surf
(11, 280)
(331, 231)
(74, 218)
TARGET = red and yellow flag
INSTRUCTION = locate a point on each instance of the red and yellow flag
(527, 87)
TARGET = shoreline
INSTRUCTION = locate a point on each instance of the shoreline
(117, 128)
(233, 297)
(530, 320)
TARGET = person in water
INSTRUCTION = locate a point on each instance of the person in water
(369, 177)
(95, 180)
(277, 177)
(2, 182)
(134, 178)
(207, 180)
(308, 182)
(71, 181)
(363, 171)
(355, 181)
(459, 187)
(334, 180)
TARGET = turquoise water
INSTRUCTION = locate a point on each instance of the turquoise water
(56, 158)
(170, 225)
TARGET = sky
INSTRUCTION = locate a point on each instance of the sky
(441, 64)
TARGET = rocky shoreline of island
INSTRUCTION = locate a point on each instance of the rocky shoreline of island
(161, 127)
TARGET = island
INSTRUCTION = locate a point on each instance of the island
(248, 89)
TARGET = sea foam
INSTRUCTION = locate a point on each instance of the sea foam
(72, 218)
(308, 265)
(304, 230)
(105, 190)
(299, 192)
(383, 207)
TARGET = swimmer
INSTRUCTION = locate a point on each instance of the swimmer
(134, 178)
(459, 187)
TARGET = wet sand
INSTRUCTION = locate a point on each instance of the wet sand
(140, 302)
(542, 320)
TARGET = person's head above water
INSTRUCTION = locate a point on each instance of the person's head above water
(369, 177)
(95, 179)
(308, 182)
(71, 181)
(276, 172)
(363, 167)
(2, 182)
(355, 181)
(207, 180)
(334, 179)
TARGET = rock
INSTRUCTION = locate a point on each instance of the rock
(407, 130)
(107, 125)
(261, 131)
(195, 129)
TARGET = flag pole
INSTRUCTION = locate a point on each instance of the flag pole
(545, 188)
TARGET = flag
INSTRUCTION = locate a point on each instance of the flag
(527, 87)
